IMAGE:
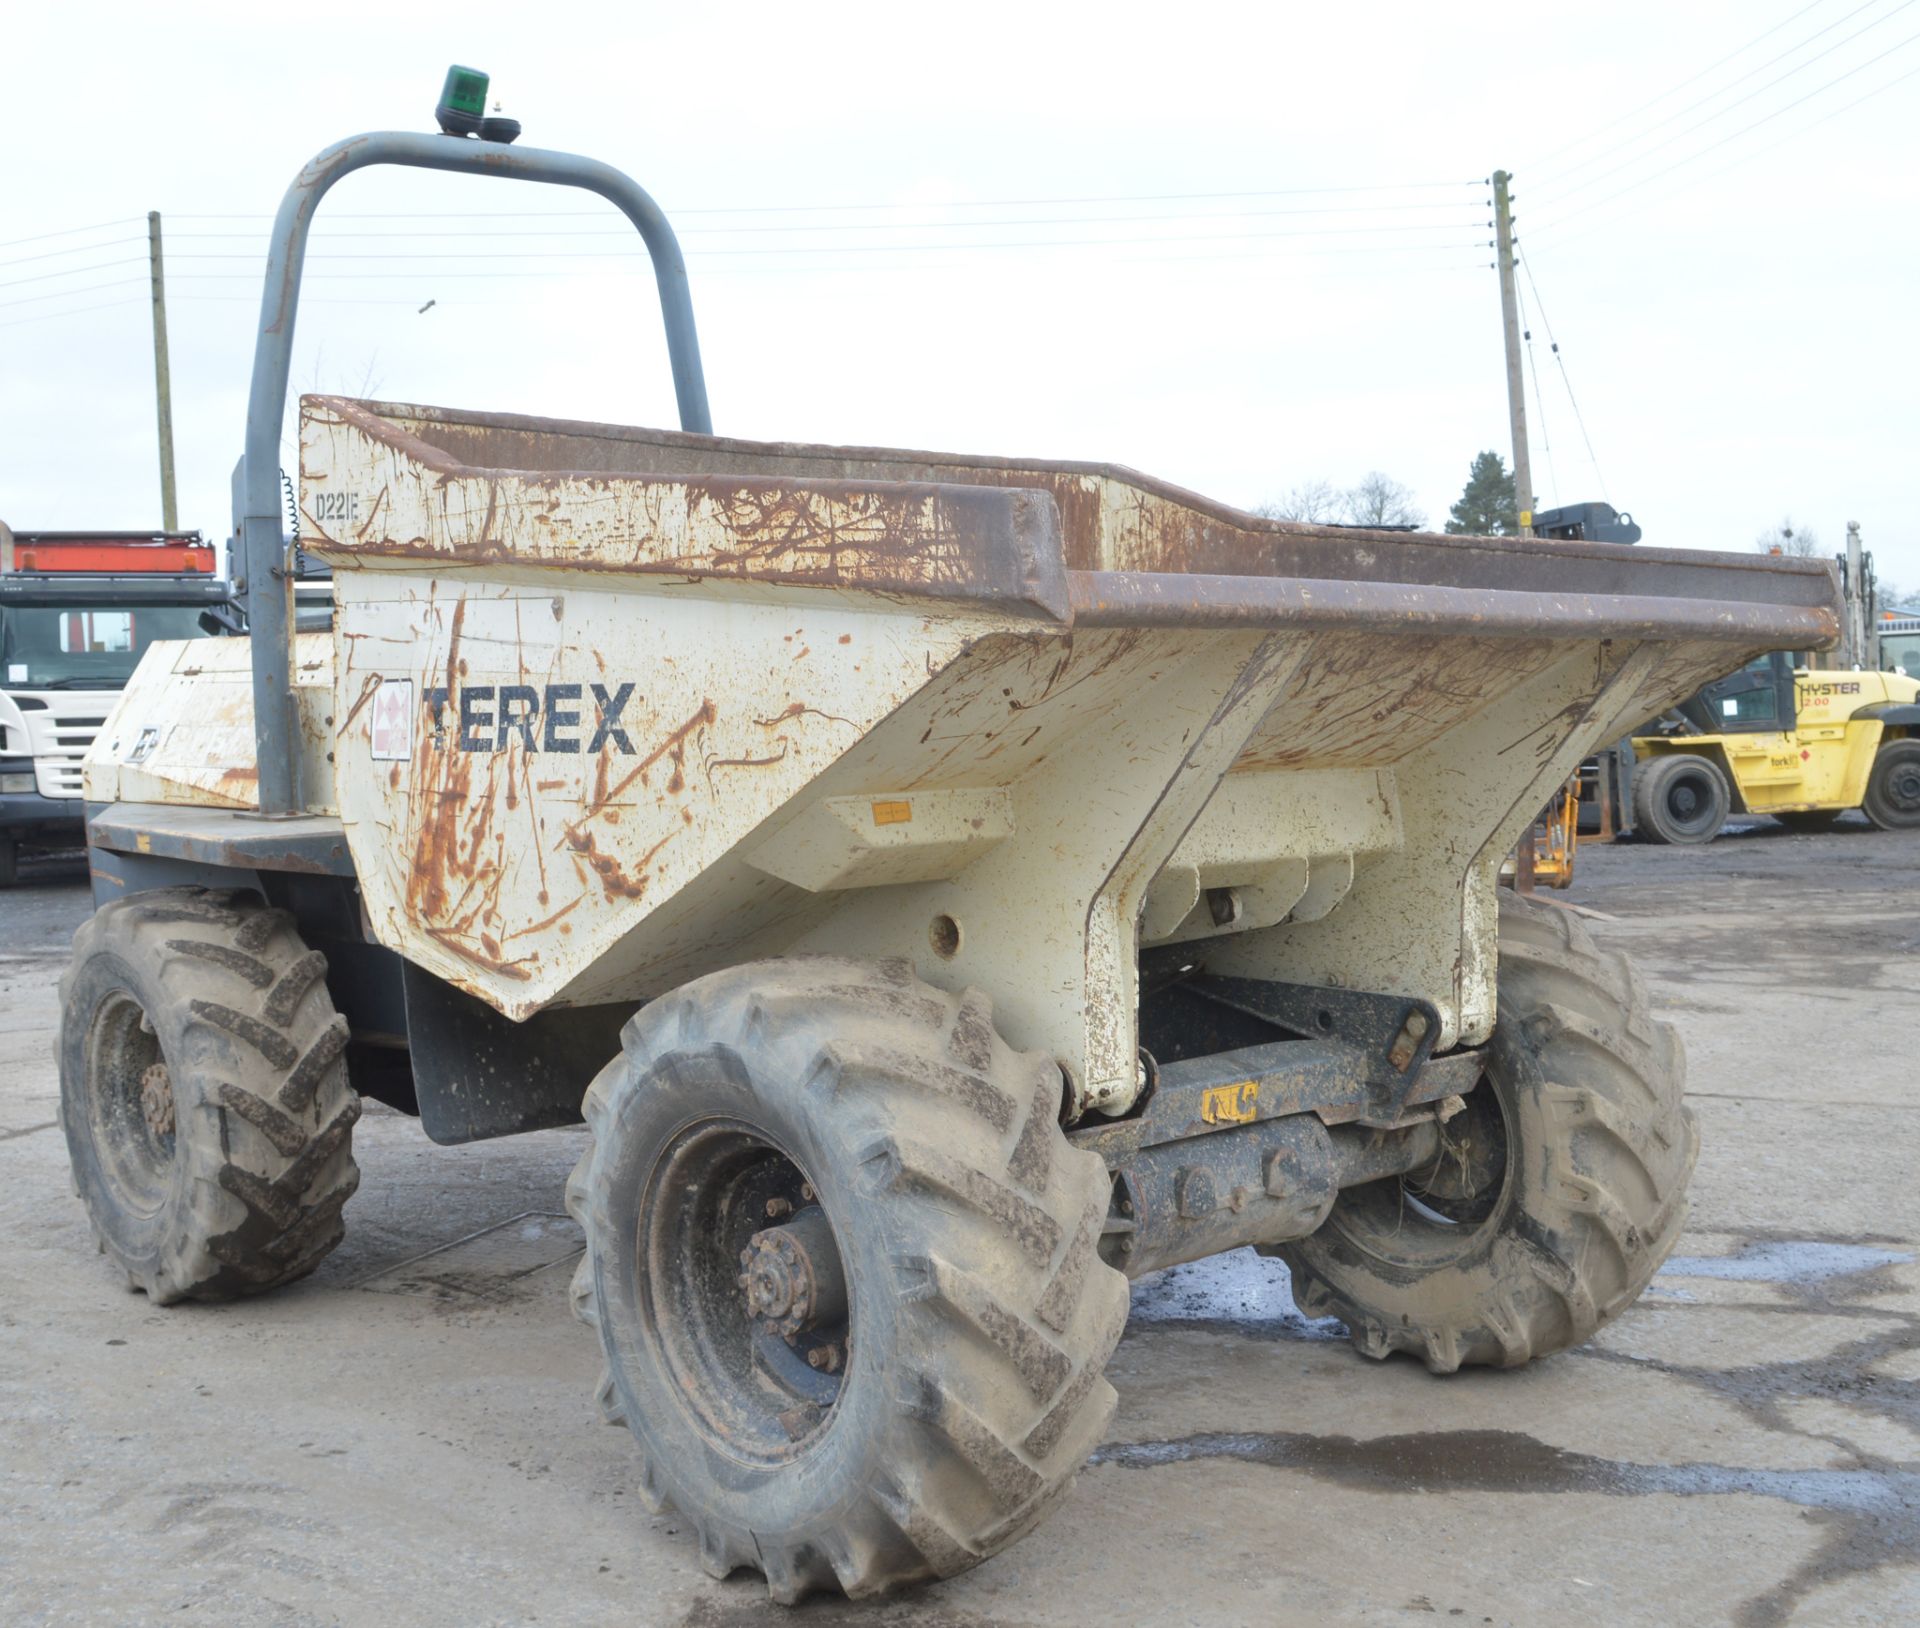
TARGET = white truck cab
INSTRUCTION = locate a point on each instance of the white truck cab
(77, 609)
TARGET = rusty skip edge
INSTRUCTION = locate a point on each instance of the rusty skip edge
(998, 547)
(949, 536)
(1201, 535)
(960, 545)
(1105, 599)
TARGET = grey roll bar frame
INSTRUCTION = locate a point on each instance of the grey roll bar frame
(266, 581)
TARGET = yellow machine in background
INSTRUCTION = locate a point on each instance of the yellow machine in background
(1543, 857)
(1802, 746)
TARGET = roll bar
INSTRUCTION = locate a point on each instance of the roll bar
(266, 580)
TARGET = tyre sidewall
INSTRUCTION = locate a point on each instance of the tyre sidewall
(809, 1492)
(142, 1241)
(1703, 828)
(1878, 806)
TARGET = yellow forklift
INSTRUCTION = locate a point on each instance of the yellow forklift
(1845, 738)
(1803, 746)
(1800, 743)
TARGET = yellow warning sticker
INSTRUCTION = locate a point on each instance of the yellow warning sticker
(1229, 1104)
(895, 813)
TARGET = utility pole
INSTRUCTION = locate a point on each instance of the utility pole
(162, 375)
(1510, 322)
(1860, 648)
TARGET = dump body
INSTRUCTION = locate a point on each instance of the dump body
(609, 709)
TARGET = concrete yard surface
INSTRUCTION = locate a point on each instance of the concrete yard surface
(409, 1436)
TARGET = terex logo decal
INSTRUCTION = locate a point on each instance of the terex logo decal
(552, 718)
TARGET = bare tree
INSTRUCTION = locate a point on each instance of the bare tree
(1786, 536)
(1380, 500)
(1376, 500)
(1314, 501)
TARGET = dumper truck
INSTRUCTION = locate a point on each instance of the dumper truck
(77, 609)
(947, 887)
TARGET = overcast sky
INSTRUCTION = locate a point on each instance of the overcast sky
(1238, 246)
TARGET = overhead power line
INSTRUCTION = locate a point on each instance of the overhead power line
(866, 226)
(64, 293)
(1768, 118)
(1713, 174)
(1573, 401)
(1680, 135)
(831, 248)
(1539, 400)
(69, 231)
(73, 271)
(79, 248)
(640, 253)
(849, 208)
(1714, 95)
(78, 310)
(1674, 90)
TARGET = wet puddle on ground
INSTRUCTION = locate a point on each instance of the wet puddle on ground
(1236, 1293)
(1866, 1505)
(1785, 1261)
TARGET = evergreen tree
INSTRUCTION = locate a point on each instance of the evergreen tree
(1488, 507)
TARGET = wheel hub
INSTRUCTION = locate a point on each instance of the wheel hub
(790, 1275)
(1463, 1185)
(156, 1099)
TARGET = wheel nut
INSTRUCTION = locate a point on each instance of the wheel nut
(792, 1275)
(156, 1099)
(777, 1208)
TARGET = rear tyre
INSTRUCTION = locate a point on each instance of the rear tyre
(9, 861)
(205, 1103)
(843, 1265)
(1893, 789)
(1681, 799)
(1560, 1191)
(1810, 821)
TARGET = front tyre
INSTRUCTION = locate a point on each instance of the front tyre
(1893, 789)
(843, 1265)
(1560, 1191)
(206, 1107)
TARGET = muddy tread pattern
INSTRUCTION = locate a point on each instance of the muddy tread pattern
(1602, 1194)
(993, 1221)
(264, 1110)
(250, 967)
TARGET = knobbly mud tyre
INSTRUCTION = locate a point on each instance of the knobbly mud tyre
(979, 1315)
(1893, 788)
(1682, 800)
(1587, 1197)
(206, 1106)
